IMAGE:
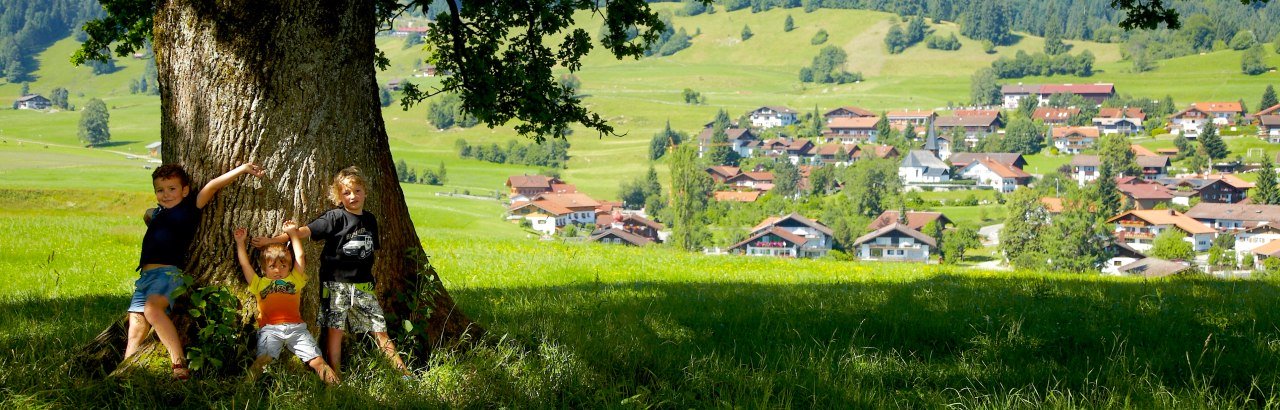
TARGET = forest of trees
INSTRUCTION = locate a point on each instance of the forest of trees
(553, 153)
(29, 26)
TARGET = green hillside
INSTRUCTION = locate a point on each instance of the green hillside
(639, 97)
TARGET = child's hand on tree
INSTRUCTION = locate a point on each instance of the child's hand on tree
(253, 169)
(290, 227)
(240, 234)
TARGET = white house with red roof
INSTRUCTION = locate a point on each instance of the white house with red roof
(851, 130)
(1072, 140)
(1055, 115)
(1191, 121)
(772, 116)
(1250, 240)
(1138, 228)
(1012, 94)
(896, 242)
(788, 236)
(1120, 120)
(994, 174)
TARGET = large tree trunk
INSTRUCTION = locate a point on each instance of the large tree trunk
(289, 85)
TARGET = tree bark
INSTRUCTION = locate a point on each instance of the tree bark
(291, 86)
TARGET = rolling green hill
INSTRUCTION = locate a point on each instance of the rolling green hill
(640, 96)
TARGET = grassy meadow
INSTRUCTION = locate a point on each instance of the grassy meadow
(589, 326)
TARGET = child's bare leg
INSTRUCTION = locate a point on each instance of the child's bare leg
(333, 348)
(389, 349)
(258, 364)
(154, 311)
(138, 328)
(323, 370)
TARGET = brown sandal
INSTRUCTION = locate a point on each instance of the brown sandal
(180, 371)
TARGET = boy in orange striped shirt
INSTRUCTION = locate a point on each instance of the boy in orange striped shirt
(278, 293)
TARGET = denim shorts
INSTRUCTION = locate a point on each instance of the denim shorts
(157, 281)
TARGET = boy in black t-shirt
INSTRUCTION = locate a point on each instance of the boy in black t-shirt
(171, 226)
(350, 235)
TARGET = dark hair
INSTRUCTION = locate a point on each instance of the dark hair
(172, 171)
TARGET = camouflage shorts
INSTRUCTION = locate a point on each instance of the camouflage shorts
(351, 307)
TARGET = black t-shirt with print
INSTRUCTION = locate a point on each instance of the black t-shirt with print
(170, 233)
(349, 241)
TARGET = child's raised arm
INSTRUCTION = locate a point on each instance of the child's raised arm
(210, 189)
(242, 255)
(301, 232)
(299, 262)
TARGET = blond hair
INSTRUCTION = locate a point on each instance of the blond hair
(275, 252)
(347, 177)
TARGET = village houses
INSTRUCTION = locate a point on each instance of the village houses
(32, 102)
(922, 167)
(1072, 140)
(1190, 121)
(1054, 115)
(896, 242)
(741, 140)
(1138, 228)
(772, 116)
(1012, 94)
(1124, 121)
(792, 235)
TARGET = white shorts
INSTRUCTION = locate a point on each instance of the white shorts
(273, 338)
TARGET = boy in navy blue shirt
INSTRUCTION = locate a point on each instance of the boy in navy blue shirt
(171, 226)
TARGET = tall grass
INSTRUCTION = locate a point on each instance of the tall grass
(576, 325)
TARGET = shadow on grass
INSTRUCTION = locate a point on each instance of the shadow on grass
(918, 338)
(921, 343)
(110, 144)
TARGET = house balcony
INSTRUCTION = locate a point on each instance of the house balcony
(1134, 235)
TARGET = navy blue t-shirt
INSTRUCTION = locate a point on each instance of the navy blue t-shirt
(349, 241)
(169, 235)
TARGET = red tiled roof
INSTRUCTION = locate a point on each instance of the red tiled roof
(1002, 170)
(1167, 217)
(1054, 114)
(855, 110)
(915, 220)
(1141, 150)
(853, 122)
(1078, 89)
(737, 196)
(1269, 249)
(1063, 132)
(1218, 106)
(530, 181)
(896, 227)
(1131, 112)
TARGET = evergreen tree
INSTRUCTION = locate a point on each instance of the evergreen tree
(1212, 142)
(1268, 98)
(789, 24)
(664, 140)
(402, 171)
(1023, 136)
(650, 184)
(1053, 44)
(26, 88)
(690, 187)
(1106, 195)
(1117, 157)
(746, 33)
(384, 95)
(721, 151)
(1265, 191)
(986, 20)
(1199, 160)
(94, 130)
(915, 30)
(983, 89)
(883, 130)
(1167, 106)
(1184, 147)
(786, 178)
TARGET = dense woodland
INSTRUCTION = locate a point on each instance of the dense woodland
(29, 26)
